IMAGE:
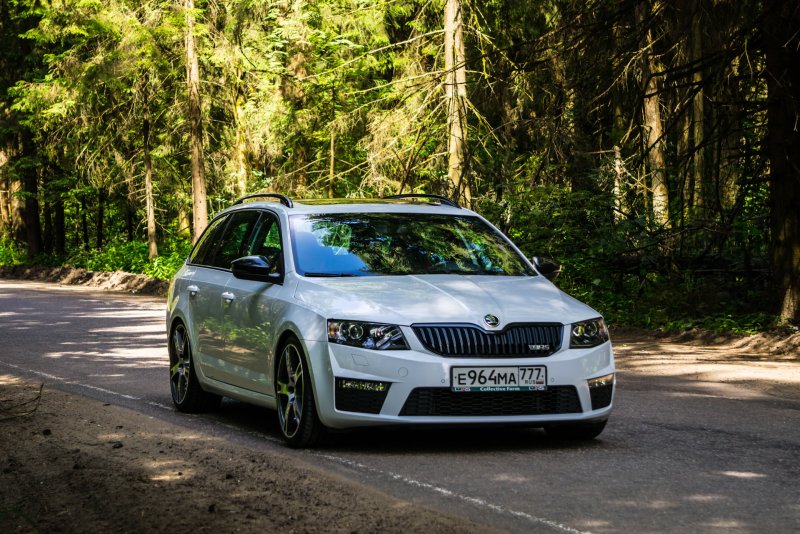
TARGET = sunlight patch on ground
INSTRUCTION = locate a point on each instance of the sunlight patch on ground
(10, 380)
(168, 470)
(131, 329)
(508, 477)
(742, 474)
(118, 313)
(778, 372)
(705, 498)
(721, 371)
(651, 505)
(172, 476)
(594, 524)
(724, 524)
(125, 357)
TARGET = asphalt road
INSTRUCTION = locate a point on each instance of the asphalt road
(679, 455)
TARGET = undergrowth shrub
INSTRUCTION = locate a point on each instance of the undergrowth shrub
(618, 265)
(10, 253)
(132, 257)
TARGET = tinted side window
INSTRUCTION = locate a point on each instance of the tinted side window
(234, 242)
(267, 241)
(205, 246)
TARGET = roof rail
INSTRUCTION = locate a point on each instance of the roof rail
(286, 201)
(441, 199)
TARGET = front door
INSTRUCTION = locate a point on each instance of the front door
(250, 315)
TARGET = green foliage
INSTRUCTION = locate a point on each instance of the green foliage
(618, 267)
(747, 324)
(11, 254)
(128, 257)
(132, 258)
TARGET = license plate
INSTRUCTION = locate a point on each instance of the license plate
(529, 378)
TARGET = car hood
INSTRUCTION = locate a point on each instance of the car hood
(407, 300)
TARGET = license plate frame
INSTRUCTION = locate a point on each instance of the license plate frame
(506, 378)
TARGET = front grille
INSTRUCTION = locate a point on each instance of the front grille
(601, 396)
(470, 341)
(444, 402)
(348, 399)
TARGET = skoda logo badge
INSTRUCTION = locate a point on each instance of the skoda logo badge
(491, 320)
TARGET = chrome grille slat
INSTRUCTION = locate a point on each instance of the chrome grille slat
(471, 341)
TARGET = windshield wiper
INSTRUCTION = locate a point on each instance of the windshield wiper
(328, 275)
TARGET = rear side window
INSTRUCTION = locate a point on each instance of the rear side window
(234, 241)
(204, 248)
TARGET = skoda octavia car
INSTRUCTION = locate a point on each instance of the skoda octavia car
(408, 310)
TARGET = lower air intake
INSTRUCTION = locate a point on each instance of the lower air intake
(444, 402)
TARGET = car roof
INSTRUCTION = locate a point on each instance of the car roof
(354, 205)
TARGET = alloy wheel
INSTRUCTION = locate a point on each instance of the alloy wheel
(180, 360)
(290, 390)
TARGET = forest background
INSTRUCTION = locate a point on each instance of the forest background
(650, 146)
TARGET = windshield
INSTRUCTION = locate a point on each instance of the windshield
(363, 244)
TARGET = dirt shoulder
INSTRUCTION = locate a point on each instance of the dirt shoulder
(78, 465)
(114, 281)
(750, 367)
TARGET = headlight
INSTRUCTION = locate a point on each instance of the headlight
(588, 334)
(366, 335)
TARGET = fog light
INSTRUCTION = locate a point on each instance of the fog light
(601, 381)
(601, 391)
(362, 385)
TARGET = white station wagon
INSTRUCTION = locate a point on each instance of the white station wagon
(408, 310)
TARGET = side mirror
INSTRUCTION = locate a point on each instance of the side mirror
(547, 267)
(255, 268)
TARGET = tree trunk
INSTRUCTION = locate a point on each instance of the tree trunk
(84, 223)
(184, 224)
(782, 53)
(698, 114)
(31, 232)
(33, 228)
(130, 197)
(456, 90)
(619, 178)
(242, 169)
(652, 126)
(199, 207)
(18, 231)
(152, 248)
(101, 217)
(59, 230)
(47, 241)
(331, 162)
(5, 211)
(5, 195)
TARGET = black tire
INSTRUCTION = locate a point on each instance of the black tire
(294, 392)
(187, 394)
(576, 431)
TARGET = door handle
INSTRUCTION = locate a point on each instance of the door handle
(192, 290)
(228, 296)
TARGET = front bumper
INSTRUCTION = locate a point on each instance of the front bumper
(417, 388)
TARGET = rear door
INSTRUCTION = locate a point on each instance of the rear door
(201, 305)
